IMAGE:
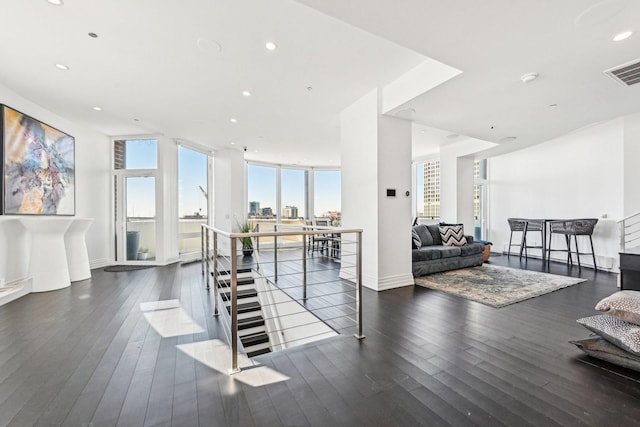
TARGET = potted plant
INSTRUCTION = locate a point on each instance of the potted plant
(247, 243)
(143, 253)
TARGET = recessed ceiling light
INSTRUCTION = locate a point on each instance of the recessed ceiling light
(309, 88)
(553, 105)
(271, 46)
(233, 143)
(452, 136)
(246, 93)
(526, 78)
(622, 36)
(255, 151)
(136, 120)
(56, 2)
(93, 35)
(232, 120)
(62, 67)
(97, 108)
(508, 139)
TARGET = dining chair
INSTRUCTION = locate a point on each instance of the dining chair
(320, 242)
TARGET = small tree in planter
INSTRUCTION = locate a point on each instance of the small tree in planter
(247, 243)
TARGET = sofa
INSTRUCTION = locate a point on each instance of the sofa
(432, 256)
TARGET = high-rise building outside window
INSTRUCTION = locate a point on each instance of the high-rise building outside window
(431, 190)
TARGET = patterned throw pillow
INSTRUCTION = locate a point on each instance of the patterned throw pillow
(452, 235)
(415, 240)
(623, 334)
(624, 305)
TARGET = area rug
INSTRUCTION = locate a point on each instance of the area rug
(494, 285)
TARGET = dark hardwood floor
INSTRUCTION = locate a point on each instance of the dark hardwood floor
(87, 356)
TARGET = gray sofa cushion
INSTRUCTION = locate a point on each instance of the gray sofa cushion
(424, 234)
(434, 229)
(449, 251)
(471, 249)
(426, 253)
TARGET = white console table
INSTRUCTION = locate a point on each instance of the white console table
(48, 265)
(58, 252)
(76, 247)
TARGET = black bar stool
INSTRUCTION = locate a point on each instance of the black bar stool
(536, 225)
(575, 228)
(515, 225)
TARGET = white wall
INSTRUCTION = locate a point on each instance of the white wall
(92, 188)
(631, 164)
(579, 175)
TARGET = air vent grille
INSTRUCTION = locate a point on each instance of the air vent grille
(626, 74)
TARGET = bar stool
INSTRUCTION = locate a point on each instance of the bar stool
(536, 225)
(515, 225)
(575, 228)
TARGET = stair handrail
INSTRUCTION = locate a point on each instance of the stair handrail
(629, 217)
(624, 233)
(208, 257)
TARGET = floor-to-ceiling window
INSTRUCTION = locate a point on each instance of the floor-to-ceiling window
(480, 199)
(193, 195)
(135, 169)
(262, 189)
(327, 195)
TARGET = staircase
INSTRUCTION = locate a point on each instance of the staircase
(251, 324)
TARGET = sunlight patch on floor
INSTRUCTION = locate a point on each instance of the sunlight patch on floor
(169, 319)
(217, 355)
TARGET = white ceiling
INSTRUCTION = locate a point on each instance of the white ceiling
(146, 65)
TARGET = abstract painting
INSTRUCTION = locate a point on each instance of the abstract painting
(39, 167)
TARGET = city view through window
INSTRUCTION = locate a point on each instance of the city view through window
(294, 191)
(428, 189)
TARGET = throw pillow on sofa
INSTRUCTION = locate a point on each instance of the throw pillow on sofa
(452, 235)
(415, 240)
(424, 234)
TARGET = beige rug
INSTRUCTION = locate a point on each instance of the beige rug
(494, 285)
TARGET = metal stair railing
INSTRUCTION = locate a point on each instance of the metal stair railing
(629, 231)
(293, 301)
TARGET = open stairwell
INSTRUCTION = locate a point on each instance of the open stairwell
(251, 323)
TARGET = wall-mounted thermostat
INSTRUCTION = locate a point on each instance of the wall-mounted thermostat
(391, 192)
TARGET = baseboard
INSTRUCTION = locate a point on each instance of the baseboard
(392, 282)
(99, 263)
(23, 287)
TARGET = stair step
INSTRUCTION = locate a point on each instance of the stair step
(242, 293)
(258, 350)
(240, 281)
(227, 272)
(250, 322)
(260, 329)
(254, 339)
(246, 307)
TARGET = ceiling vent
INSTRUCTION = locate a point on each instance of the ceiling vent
(626, 74)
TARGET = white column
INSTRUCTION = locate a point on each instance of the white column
(376, 156)
(229, 193)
